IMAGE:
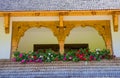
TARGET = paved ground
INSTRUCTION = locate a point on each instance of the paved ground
(59, 69)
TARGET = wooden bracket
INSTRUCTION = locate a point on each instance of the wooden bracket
(7, 22)
(61, 20)
(115, 22)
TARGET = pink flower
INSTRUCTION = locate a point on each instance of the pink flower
(70, 57)
(64, 58)
(30, 60)
(39, 60)
(14, 59)
(23, 61)
(20, 55)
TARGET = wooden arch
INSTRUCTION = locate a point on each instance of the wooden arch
(19, 28)
(102, 26)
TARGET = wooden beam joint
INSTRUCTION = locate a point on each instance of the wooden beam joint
(7, 22)
(60, 20)
(115, 22)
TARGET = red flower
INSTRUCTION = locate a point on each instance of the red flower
(86, 50)
(56, 59)
(84, 59)
(78, 51)
(29, 56)
(77, 54)
(91, 58)
(81, 56)
(35, 57)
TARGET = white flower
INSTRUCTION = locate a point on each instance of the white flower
(97, 49)
(48, 58)
(97, 52)
(32, 56)
(41, 56)
(49, 53)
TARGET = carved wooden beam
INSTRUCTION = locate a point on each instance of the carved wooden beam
(115, 22)
(64, 13)
(6, 22)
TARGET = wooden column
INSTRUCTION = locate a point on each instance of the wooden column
(61, 39)
(61, 45)
(7, 22)
(61, 35)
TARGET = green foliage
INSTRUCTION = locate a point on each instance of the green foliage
(71, 55)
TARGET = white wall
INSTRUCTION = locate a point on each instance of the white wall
(116, 40)
(36, 36)
(5, 41)
(86, 35)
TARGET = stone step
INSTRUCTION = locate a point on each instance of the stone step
(90, 62)
(64, 72)
(60, 69)
(110, 60)
(62, 64)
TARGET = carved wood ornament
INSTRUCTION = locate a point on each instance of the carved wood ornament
(115, 22)
(61, 29)
(7, 22)
(7, 15)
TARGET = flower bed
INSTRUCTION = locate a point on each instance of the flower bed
(72, 55)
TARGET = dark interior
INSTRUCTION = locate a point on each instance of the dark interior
(55, 47)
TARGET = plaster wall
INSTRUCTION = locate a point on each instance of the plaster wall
(5, 41)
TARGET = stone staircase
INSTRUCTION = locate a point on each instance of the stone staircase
(59, 69)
